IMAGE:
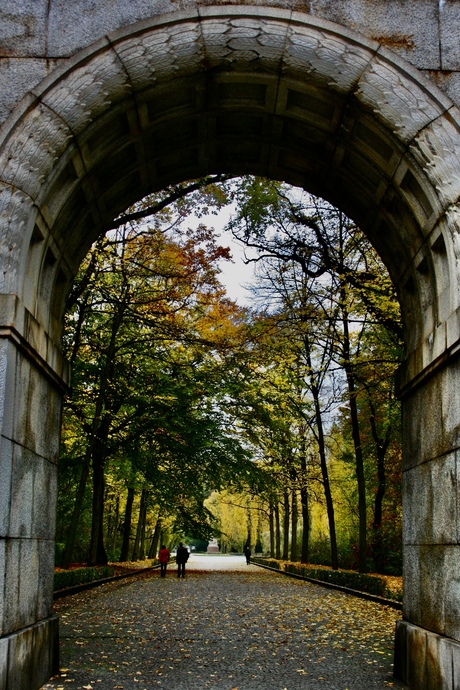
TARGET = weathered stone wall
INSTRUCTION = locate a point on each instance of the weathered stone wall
(31, 384)
(36, 35)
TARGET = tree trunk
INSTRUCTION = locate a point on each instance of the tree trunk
(381, 446)
(359, 462)
(360, 478)
(127, 525)
(294, 523)
(73, 528)
(97, 552)
(305, 557)
(323, 460)
(142, 545)
(249, 518)
(305, 548)
(155, 539)
(286, 526)
(116, 525)
(272, 529)
(140, 524)
(277, 531)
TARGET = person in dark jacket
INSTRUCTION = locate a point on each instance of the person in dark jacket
(163, 557)
(247, 553)
(181, 559)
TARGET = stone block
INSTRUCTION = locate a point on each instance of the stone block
(17, 77)
(456, 667)
(400, 656)
(450, 46)
(453, 323)
(45, 650)
(44, 603)
(7, 387)
(449, 82)
(20, 655)
(408, 29)
(434, 568)
(416, 657)
(444, 309)
(32, 655)
(430, 501)
(23, 487)
(412, 583)
(425, 660)
(72, 26)
(6, 473)
(438, 663)
(23, 27)
(38, 413)
(432, 588)
(3, 663)
(18, 606)
(451, 604)
(422, 424)
(2, 585)
(29, 493)
(430, 416)
(28, 582)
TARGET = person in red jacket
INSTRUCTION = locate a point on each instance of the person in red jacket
(163, 557)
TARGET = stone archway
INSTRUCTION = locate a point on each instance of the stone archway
(245, 90)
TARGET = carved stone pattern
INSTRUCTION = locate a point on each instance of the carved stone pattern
(326, 58)
(27, 157)
(88, 91)
(16, 210)
(437, 150)
(159, 54)
(396, 100)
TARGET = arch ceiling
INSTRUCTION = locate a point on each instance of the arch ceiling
(241, 90)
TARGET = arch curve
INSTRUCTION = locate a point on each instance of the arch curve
(243, 90)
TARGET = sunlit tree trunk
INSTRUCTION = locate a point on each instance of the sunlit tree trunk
(305, 555)
(249, 522)
(286, 524)
(359, 461)
(272, 528)
(277, 531)
(294, 524)
(323, 459)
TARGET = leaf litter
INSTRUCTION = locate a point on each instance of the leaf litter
(252, 630)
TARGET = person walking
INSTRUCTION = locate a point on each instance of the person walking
(247, 553)
(163, 557)
(181, 559)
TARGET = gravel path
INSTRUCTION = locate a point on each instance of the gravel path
(227, 626)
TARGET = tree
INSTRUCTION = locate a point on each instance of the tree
(144, 340)
(315, 244)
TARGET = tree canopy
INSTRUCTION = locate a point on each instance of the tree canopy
(180, 394)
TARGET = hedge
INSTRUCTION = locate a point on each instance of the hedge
(372, 584)
(79, 576)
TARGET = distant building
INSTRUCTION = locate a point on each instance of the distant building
(213, 546)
